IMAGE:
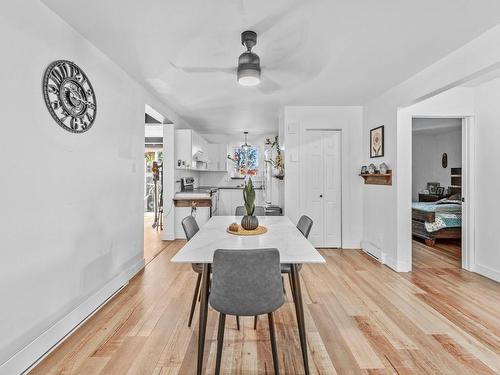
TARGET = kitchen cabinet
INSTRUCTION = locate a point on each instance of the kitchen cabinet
(191, 146)
(217, 156)
(183, 148)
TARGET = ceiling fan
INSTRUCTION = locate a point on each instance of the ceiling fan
(286, 59)
(248, 71)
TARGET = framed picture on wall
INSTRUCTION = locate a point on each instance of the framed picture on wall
(377, 142)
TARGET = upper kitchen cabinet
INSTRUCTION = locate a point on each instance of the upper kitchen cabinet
(194, 152)
(218, 157)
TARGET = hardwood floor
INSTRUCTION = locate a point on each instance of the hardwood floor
(361, 318)
(153, 244)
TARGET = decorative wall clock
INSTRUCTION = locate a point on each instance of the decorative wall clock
(69, 96)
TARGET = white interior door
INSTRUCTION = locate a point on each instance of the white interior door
(312, 184)
(321, 186)
(332, 189)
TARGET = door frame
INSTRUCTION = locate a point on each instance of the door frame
(304, 130)
(468, 190)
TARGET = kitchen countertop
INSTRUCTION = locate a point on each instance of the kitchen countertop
(199, 192)
(230, 187)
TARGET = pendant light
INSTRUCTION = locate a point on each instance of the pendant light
(245, 146)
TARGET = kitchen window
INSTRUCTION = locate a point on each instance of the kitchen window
(246, 161)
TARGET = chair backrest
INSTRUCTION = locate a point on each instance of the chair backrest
(246, 282)
(190, 226)
(304, 225)
(259, 211)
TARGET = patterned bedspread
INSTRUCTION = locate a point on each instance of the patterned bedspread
(448, 215)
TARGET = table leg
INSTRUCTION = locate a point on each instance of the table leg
(202, 326)
(299, 311)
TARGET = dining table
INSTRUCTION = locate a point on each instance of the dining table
(281, 234)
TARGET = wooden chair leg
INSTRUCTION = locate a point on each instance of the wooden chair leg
(255, 321)
(283, 283)
(195, 296)
(273, 343)
(237, 322)
(220, 342)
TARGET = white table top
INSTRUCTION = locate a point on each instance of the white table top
(281, 234)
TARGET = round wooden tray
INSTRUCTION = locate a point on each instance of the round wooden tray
(243, 232)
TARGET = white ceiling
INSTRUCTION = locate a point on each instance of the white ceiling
(315, 52)
(434, 126)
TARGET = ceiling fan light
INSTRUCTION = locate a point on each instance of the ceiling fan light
(248, 69)
(249, 77)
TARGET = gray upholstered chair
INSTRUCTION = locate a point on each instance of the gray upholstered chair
(246, 283)
(304, 226)
(191, 227)
(259, 211)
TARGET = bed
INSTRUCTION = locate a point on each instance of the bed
(437, 220)
(441, 219)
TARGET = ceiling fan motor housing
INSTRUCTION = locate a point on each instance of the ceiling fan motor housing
(249, 39)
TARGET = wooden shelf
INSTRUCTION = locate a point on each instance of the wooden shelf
(378, 178)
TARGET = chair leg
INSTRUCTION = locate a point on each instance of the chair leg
(220, 342)
(273, 343)
(193, 304)
(255, 321)
(283, 283)
(237, 322)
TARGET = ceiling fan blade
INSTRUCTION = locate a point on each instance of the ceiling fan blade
(202, 69)
(272, 20)
(267, 85)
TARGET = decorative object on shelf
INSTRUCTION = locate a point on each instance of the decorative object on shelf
(444, 160)
(432, 187)
(249, 221)
(383, 168)
(372, 169)
(378, 178)
(278, 163)
(245, 159)
(69, 96)
(440, 190)
(377, 142)
(364, 169)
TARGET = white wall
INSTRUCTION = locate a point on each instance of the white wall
(349, 120)
(71, 227)
(428, 148)
(487, 167)
(381, 219)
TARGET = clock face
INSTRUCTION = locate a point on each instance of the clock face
(69, 96)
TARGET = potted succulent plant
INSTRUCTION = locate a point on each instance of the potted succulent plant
(249, 221)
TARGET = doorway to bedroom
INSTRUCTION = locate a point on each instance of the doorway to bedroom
(437, 192)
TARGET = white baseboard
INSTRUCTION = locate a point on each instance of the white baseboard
(486, 272)
(373, 250)
(384, 258)
(35, 351)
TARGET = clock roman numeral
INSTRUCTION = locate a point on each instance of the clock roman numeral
(55, 104)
